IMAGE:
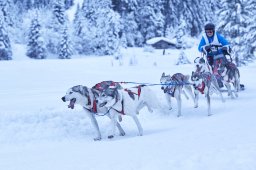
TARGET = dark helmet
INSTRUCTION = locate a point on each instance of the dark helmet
(209, 26)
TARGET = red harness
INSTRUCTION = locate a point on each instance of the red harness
(131, 92)
(201, 89)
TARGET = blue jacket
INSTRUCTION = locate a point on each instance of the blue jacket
(220, 40)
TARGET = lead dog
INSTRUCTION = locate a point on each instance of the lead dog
(126, 102)
(87, 97)
(174, 86)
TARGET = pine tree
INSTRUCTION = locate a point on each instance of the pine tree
(250, 7)
(233, 23)
(5, 7)
(65, 46)
(35, 44)
(58, 12)
(150, 19)
(55, 27)
(97, 28)
(183, 59)
(5, 45)
(129, 33)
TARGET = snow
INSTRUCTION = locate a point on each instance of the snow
(38, 131)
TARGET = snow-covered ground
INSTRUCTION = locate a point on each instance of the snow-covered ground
(39, 132)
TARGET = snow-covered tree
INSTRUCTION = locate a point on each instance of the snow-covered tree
(183, 59)
(65, 49)
(235, 23)
(250, 7)
(35, 44)
(55, 27)
(58, 13)
(5, 45)
(97, 28)
(5, 9)
(150, 18)
(68, 3)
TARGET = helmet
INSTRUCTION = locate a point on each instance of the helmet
(209, 26)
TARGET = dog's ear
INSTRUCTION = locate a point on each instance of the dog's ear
(76, 88)
(163, 74)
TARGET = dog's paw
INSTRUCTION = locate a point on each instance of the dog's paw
(195, 106)
(97, 139)
(111, 136)
(122, 134)
(120, 118)
(179, 115)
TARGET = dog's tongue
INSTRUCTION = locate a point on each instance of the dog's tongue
(72, 103)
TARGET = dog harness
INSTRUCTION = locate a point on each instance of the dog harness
(122, 111)
(206, 77)
(177, 78)
(131, 93)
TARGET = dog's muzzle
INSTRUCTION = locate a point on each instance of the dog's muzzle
(165, 89)
(63, 99)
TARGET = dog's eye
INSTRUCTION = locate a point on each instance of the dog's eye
(70, 92)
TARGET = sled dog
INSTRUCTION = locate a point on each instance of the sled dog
(87, 98)
(125, 102)
(174, 86)
(201, 66)
(205, 83)
(229, 75)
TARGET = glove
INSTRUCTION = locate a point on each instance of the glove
(207, 49)
(226, 50)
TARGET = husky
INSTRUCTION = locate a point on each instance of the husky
(205, 83)
(87, 98)
(174, 86)
(126, 102)
(229, 75)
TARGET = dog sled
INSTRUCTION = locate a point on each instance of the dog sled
(224, 68)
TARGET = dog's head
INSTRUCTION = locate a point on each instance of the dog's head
(196, 78)
(76, 95)
(164, 80)
(108, 97)
(199, 63)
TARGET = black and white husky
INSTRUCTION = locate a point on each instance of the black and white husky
(205, 83)
(126, 102)
(174, 86)
(87, 98)
(229, 75)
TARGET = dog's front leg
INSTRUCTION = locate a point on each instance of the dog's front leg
(121, 130)
(177, 95)
(196, 92)
(169, 101)
(230, 93)
(208, 103)
(113, 117)
(95, 124)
